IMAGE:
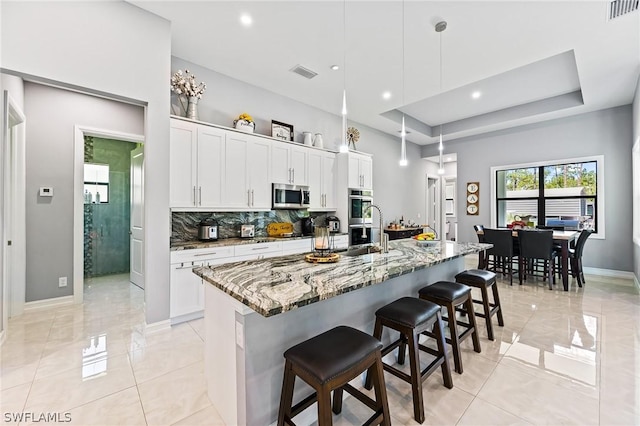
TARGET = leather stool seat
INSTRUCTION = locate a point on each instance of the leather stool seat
(445, 291)
(328, 362)
(482, 280)
(408, 311)
(452, 296)
(348, 347)
(477, 277)
(412, 317)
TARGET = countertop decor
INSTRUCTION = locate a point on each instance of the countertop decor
(185, 85)
(245, 123)
(276, 285)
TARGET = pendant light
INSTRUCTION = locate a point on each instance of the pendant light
(344, 146)
(440, 27)
(403, 132)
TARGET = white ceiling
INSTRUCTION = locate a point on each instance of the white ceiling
(532, 60)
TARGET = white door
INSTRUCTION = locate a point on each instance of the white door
(432, 203)
(210, 161)
(328, 181)
(299, 165)
(136, 274)
(366, 169)
(280, 168)
(258, 169)
(316, 194)
(236, 186)
(183, 154)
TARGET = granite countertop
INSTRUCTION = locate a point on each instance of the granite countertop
(276, 285)
(191, 245)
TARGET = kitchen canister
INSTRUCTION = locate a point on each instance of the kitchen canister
(307, 138)
(317, 141)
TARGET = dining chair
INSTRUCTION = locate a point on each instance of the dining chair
(575, 256)
(536, 245)
(481, 256)
(502, 251)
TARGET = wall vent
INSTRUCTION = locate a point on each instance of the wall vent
(618, 8)
(305, 72)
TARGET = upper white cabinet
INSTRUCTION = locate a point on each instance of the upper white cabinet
(321, 170)
(196, 160)
(289, 164)
(360, 171)
(246, 176)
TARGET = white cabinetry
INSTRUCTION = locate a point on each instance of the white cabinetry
(257, 251)
(289, 164)
(360, 171)
(196, 155)
(186, 300)
(322, 181)
(246, 176)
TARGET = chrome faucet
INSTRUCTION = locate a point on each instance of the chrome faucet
(384, 238)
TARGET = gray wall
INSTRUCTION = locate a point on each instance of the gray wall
(636, 138)
(52, 114)
(606, 132)
(398, 191)
(129, 57)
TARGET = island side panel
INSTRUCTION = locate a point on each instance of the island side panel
(266, 339)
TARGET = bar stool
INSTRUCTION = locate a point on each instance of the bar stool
(452, 295)
(327, 362)
(482, 280)
(411, 316)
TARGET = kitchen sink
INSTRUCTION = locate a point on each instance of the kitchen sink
(361, 251)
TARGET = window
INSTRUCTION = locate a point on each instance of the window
(96, 183)
(560, 193)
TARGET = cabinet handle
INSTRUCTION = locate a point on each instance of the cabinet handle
(199, 195)
(194, 196)
(252, 198)
(290, 180)
(259, 248)
(206, 254)
(248, 198)
(293, 175)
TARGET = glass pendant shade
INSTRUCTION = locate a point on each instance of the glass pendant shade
(344, 147)
(440, 162)
(403, 147)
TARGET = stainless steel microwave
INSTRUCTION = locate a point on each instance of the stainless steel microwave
(290, 196)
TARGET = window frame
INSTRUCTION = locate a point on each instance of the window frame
(600, 189)
(635, 158)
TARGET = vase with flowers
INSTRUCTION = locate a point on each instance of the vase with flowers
(185, 85)
(245, 123)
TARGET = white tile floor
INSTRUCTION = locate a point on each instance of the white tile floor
(562, 358)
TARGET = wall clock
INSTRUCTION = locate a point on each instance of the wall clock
(473, 198)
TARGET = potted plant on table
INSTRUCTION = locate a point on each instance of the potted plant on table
(245, 123)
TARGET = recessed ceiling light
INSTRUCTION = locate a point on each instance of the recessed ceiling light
(335, 67)
(246, 20)
(476, 94)
(386, 95)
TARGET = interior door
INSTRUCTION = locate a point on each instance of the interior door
(136, 274)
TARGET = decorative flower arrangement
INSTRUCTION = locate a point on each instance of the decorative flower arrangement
(185, 84)
(244, 122)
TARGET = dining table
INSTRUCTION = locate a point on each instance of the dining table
(562, 238)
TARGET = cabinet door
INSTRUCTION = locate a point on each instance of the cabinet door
(355, 178)
(182, 161)
(258, 161)
(280, 169)
(298, 160)
(185, 290)
(316, 190)
(210, 161)
(236, 185)
(366, 170)
(329, 181)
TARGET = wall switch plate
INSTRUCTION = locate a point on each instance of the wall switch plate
(62, 282)
(46, 191)
(240, 334)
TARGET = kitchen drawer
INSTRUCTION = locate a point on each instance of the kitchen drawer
(297, 246)
(340, 242)
(258, 248)
(211, 253)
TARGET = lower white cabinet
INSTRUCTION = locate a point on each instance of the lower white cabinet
(257, 251)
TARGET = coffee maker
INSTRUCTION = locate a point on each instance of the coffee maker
(334, 224)
(307, 226)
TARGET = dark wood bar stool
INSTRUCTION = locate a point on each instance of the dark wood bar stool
(412, 316)
(327, 362)
(484, 280)
(452, 295)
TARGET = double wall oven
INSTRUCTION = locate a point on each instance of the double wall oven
(360, 219)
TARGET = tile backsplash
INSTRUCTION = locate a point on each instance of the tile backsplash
(184, 225)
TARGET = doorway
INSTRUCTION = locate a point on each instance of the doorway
(433, 202)
(108, 199)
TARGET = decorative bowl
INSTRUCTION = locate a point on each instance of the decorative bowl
(244, 125)
(426, 243)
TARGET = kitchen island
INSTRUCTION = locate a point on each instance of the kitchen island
(255, 310)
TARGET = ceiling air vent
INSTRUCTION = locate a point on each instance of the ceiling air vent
(305, 72)
(618, 8)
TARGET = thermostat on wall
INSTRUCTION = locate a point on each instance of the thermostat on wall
(46, 191)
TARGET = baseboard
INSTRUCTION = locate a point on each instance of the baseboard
(609, 272)
(636, 282)
(3, 336)
(187, 317)
(48, 303)
(155, 327)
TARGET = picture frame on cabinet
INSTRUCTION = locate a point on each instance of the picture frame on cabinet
(282, 131)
